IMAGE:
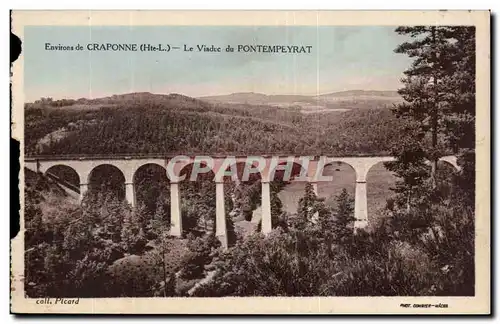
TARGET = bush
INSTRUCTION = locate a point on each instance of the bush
(134, 276)
(201, 252)
(398, 256)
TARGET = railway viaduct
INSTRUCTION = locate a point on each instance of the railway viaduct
(266, 166)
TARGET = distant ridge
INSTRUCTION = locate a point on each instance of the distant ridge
(254, 96)
(379, 93)
(342, 100)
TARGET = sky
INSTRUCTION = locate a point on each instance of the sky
(341, 58)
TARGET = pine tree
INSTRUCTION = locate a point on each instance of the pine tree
(344, 217)
(438, 111)
(33, 221)
(132, 233)
(411, 170)
(306, 203)
(461, 90)
(164, 244)
(160, 213)
(160, 220)
(424, 89)
(230, 230)
(277, 215)
(310, 207)
(461, 122)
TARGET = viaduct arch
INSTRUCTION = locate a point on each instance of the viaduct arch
(219, 165)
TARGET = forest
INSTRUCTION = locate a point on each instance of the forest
(422, 246)
(172, 124)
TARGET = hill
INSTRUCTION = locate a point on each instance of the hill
(365, 93)
(173, 124)
(337, 101)
(255, 98)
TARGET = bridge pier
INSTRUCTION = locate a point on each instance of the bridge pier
(220, 214)
(266, 223)
(175, 210)
(84, 187)
(315, 217)
(130, 193)
(360, 205)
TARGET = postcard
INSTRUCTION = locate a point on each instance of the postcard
(252, 162)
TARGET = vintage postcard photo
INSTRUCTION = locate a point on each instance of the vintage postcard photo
(252, 162)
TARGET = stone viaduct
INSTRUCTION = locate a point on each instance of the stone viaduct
(128, 165)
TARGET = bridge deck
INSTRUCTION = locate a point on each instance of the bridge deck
(170, 156)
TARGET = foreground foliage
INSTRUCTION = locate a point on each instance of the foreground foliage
(400, 256)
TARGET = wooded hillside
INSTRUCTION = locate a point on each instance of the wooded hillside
(147, 123)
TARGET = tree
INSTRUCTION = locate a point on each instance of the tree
(344, 218)
(439, 98)
(438, 107)
(230, 230)
(461, 90)
(411, 170)
(198, 206)
(160, 221)
(132, 234)
(164, 243)
(276, 206)
(461, 122)
(201, 253)
(310, 208)
(424, 89)
(305, 210)
(33, 219)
